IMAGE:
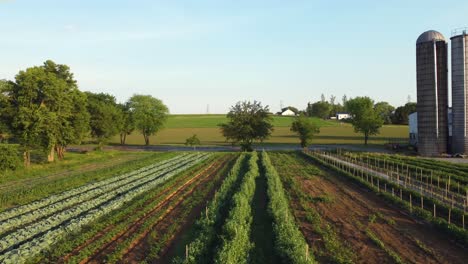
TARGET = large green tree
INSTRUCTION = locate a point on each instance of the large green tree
(385, 111)
(400, 116)
(106, 118)
(305, 129)
(45, 110)
(5, 86)
(70, 107)
(128, 122)
(149, 114)
(248, 122)
(365, 119)
(320, 109)
(35, 100)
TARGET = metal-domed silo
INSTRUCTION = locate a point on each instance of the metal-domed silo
(459, 50)
(432, 93)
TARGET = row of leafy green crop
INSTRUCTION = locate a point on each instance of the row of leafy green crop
(25, 193)
(455, 231)
(27, 242)
(119, 220)
(187, 204)
(32, 212)
(235, 234)
(291, 167)
(440, 176)
(157, 240)
(200, 249)
(289, 243)
(444, 169)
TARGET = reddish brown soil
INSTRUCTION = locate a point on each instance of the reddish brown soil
(100, 234)
(165, 206)
(349, 213)
(137, 251)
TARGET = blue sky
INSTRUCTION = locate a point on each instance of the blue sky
(193, 53)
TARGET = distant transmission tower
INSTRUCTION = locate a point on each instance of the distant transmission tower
(281, 105)
(207, 109)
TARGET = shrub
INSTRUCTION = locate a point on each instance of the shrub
(9, 158)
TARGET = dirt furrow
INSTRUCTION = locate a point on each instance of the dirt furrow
(391, 226)
(109, 247)
(103, 232)
(138, 248)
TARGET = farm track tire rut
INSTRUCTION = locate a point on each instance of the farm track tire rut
(99, 256)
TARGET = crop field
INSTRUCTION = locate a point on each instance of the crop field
(258, 207)
(180, 127)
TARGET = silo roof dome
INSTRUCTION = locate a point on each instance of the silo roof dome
(430, 36)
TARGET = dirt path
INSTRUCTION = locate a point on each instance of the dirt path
(352, 210)
(262, 229)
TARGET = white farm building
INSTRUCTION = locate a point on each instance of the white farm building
(342, 115)
(288, 112)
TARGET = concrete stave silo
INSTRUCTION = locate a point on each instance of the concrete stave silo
(459, 51)
(432, 93)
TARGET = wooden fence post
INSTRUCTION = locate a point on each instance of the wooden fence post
(434, 211)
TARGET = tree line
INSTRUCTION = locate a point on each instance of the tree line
(43, 110)
(390, 115)
(249, 122)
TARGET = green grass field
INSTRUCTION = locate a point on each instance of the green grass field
(180, 127)
(211, 121)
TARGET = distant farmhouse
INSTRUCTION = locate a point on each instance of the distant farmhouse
(342, 115)
(288, 112)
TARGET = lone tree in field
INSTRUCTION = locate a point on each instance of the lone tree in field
(365, 119)
(192, 141)
(248, 122)
(305, 129)
(149, 114)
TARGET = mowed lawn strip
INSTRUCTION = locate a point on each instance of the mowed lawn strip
(26, 192)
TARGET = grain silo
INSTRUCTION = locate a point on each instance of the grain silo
(432, 93)
(459, 42)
